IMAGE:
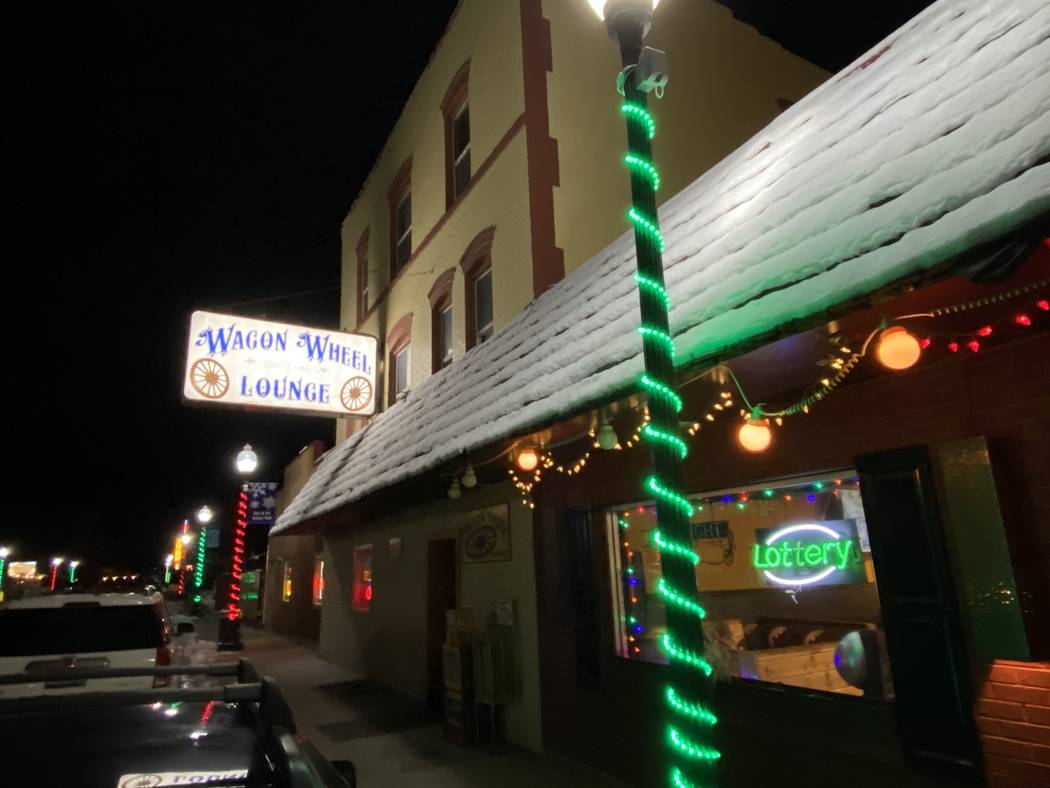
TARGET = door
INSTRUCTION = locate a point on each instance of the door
(441, 596)
(931, 675)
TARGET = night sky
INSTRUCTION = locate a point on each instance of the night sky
(167, 158)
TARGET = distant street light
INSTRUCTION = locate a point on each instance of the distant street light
(247, 460)
(56, 562)
(204, 515)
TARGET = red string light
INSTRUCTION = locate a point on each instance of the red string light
(1023, 320)
(237, 567)
(924, 342)
(1043, 304)
(974, 345)
(984, 331)
(953, 346)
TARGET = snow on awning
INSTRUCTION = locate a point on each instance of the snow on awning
(933, 143)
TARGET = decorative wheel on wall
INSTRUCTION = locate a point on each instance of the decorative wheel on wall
(356, 394)
(480, 541)
(209, 379)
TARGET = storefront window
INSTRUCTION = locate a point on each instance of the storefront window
(362, 593)
(786, 577)
(286, 583)
(318, 584)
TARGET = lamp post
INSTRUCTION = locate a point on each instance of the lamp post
(689, 721)
(73, 571)
(4, 553)
(168, 559)
(204, 516)
(230, 624)
(56, 562)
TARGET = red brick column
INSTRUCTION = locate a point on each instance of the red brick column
(1013, 716)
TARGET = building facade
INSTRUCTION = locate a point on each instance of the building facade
(874, 579)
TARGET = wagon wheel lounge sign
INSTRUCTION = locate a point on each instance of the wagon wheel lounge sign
(233, 360)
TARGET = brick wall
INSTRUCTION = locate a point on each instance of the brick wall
(1013, 716)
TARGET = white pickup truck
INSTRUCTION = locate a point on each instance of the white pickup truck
(62, 632)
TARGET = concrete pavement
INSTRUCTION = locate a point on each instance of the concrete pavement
(393, 741)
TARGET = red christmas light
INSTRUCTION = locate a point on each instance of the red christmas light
(984, 331)
(1023, 320)
(974, 345)
(924, 342)
(953, 346)
(233, 607)
(1043, 304)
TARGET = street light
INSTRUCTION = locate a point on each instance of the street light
(688, 731)
(73, 571)
(247, 460)
(204, 515)
(56, 562)
(4, 553)
(168, 559)
(230, 624)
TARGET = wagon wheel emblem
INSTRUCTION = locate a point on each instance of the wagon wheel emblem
(209, 379)
(481, 541)
(356, 394)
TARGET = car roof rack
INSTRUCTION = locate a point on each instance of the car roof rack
(271, 720)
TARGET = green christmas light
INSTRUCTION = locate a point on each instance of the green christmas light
(198, 570)
(692, 710)
(663, 390)
(686, 656)
(659, 335)
(689, 749)
(672, 597)
(644, 168)
(652, 433)
(670, 496)
(646, 226)
(673, 547)
(679, 780)
(650, 284)
(639, 114)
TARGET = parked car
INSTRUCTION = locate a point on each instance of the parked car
(63, 632)
(238, 735)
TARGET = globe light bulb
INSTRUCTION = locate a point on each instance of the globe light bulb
(897, 349)
(607, 437)
(204, 515)
(528, 459)
(454, 491)
(57, 561)
(755, 435)
(5, 552)
(470, 478)
(185, 538)
(247, 460)
(599, 6)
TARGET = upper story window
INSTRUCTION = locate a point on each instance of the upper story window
(398, 342)
(483, 305)
(362, 276)
(401, 219)
(456, 109)
(477, 270)
(440, 297)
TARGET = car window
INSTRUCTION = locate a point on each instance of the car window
(69, 630)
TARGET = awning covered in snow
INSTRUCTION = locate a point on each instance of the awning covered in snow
(931, 144)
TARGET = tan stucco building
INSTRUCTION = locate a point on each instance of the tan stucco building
(501, 177)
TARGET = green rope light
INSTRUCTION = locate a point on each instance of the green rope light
(674, 509)
(670, 496)
(646, 226)
(673, 547)
(655, 434)
(686, 656)
(198, 569)
(689, 749)
(692, 710)
(650, 284)
(672, 597)
(639, 114)
(644, 168)
(657, 388)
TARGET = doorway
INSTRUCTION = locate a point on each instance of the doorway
(441, 596)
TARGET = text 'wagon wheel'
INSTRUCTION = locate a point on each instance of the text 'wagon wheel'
(356, 394)
(208, 378)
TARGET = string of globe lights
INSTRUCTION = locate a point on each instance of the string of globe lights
(894, 345)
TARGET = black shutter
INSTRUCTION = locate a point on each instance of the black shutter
(584, 593)
(931, 679)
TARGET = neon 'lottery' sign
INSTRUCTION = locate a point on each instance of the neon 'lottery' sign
(808, 554)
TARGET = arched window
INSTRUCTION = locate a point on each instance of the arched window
(456, 109)
(440, 297)
(477, 273)
(399, 359)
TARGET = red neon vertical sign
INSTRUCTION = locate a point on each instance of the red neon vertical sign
(234, 607)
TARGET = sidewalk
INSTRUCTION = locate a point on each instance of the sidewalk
(394, 741)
